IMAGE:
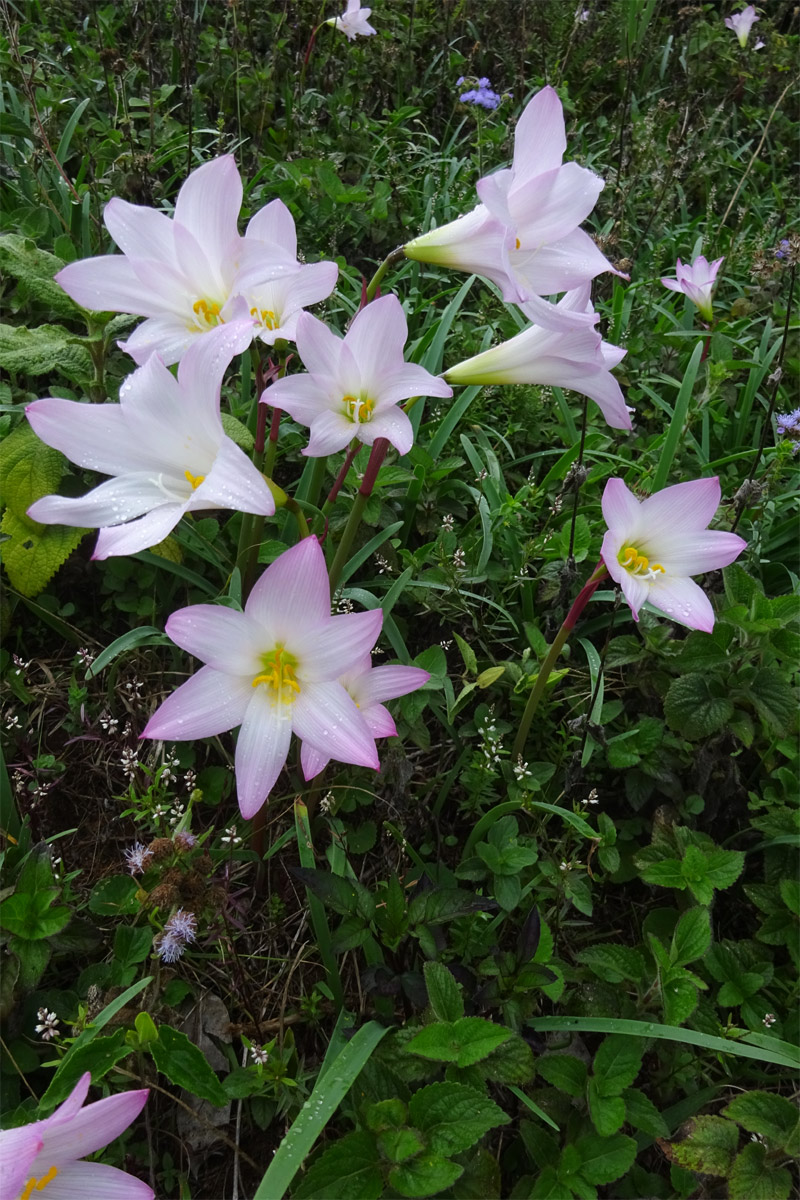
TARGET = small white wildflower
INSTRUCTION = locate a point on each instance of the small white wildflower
(768, 1020)
(129, 761)
(446, 643)
(190, 781)
(448, 523)
(479, 478)
(20, 664)
(520, 768)
(326, 803)
(85, 655)
(47, 1024)
(592, 798)
(563, 866)
(459, 559)
(231, 837)
(108, 723)
(383, 564)
(11, 721)
(259, 1055)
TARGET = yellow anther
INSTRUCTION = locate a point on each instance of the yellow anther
(638, 564)
(266, 316)
(519, 243)
(194, 480)
(657, 567)
(208, 311)
(279, 674)
(358, 410)
(38, 1185)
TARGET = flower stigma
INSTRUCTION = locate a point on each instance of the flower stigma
(38, 1185)
(358, 410)
(639, 564)
(279, 674)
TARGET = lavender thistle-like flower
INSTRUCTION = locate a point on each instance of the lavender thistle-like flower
(180, 929)
(136, 857)
(788, 425)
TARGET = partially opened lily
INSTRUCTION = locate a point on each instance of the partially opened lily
(164, 444)
(43, 1157)
(353, 22)
(273, 669)
(654, 546)
(578, 359)
(355, 383)
(742, 22)
(183, 273)
(524, 236)
(696, 282)
(369, 686)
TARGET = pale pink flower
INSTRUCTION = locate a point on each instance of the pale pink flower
(43, 1157)
(273, 669)
(355, 383)
(578, 359)
(742, 22)
(369, 686)
(653, 546)
(192, 272)
(353, 22)
(164, 444)
(524, 236)
(696, 282)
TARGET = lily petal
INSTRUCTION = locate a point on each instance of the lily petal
(683, 600)
(330, 650)
(329, 433)
(148, 531)
(93, 1127)
(208, 205)
(110, 503)
(235, 483)
(218, 636)
(210, 702)
(262, 748)
(97, 1181)
(18, 1151)
(327, 717)
(293, 594)
(385, 683)
(684, 507)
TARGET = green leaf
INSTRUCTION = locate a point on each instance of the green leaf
(453, 1117)
(666, 873)
(34, 268)
(563, 1071)
(185, 1065)
(722, 867)
(33, 553)
(31, 958)
(237, 432)
(398, 1145)
(740, 588)
(132, 944)
(29, 915)
(511, 1062)
(462, 1042)
(347, 1170)
(642, 1114)
(29, 469)
(773, 699)
(604, 1159)
(763, 1112)
(680, 997)
(444, 993)
(694, 869)
(344, 896)
(445, 904)
(424, 1176)
(467, 653)
(692, 936)
(790, 894)
(115, 896)
(613, 963)
(607, 1112)
(617, 1063)
(45, 349)
(753, 1178)
(697, 705)
(97, 1056)
(709, 1146)
(548, 1186)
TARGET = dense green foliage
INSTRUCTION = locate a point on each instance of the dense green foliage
(586, 960)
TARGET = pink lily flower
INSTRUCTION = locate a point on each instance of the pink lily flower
(742, 22)
(164, 445)
(653, 546)
(44, 1156)
(524, 236)
(696, 282)
(353, 22)
(578, 359)
(355, 383)
(273, 669)
(369, 686)
(188, 274)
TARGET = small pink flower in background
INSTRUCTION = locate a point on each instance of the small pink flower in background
(654, 546)
(353, 22)
(354, 384)
(192, 272)
(525, 234)
(43, 1157)
(274, 669)
(164, 444)
(369, 686)
(696, 282)
(578, 359)
(742, 22)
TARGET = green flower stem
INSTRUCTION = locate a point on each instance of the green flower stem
(352, 451)
(317, 477)
(396, 256)
(581, 600)
(267, 461)
(363, 494)
(264, 453)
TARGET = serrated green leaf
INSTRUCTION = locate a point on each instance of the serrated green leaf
(753, 1178)
(790, 894)
(613, 963)
(680, 998)
(511, 1062)
(723, 867)
(444, 994)
(115, 896)
(740, 588)
(97, 1056)
(347, 1170)
(617, 1063)
(33, 553)
(185, 1065)
(424, 1176)
(604, 1159)
(765, 1113)
(34, 269)
(237, 432)
(398, 1145)
(453, 1117)
(31, 915)
(564, 1072)
(642, 1114)
(29, 469)
(347, 897)
(45, 349)
(666, 873)
(697, 705)
(462, 1042)
(692, 936)
(773, 699)
(607, 1112)
(709, 1147)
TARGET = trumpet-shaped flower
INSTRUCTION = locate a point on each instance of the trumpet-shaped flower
(742, 22)
(45, 1155)
(273, 669)
(190, 273)
(369, 686)
(578, 359)
(696, 282)
(354, 384)
(164, 445)
(524, 235)
(654, 546)
(354, 21)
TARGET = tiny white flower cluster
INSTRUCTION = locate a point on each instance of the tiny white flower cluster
(344, 604)
(446, 643)
(11, 720)
(47, 1024)
(129, 761)
(176, 812)
(85, 655)
(169, 772)
(592, 798)
(459, 560)
(448, 523)
(520, 769)
(134, 688)
(231, 837)
(190, 781)
(259, 1055)
(492, 744)
(326, 803)
(768, 1020)
(384, 566)
(108, 723)
(20, 664)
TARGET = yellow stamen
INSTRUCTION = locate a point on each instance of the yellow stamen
(638, 564)
(519, 243)
(208, 311)
(194, 480)
(266, 316)
(358, 410)
(279, 674)
(38, 1185)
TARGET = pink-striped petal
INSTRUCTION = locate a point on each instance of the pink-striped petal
(318, 346)
(385, 683)
(635, 590)
(91, 435)
(560, 265)
(301, 396)
(684, 601)
(140, 232)
(682, 508)
(376, 339)
(208, 205)
(380, 721)
(329, 651)
(18, 1151)
(292, 597)
(550, 206)
(166, 336)
(93, 1127)
(111, 503)
(148, 531)
(235, 483)
(312, 761)
(330, 432)
(220, 637)
(621, 509)
(108, 284)
(74, 1102)
(274, 223)
(604, 389)
(324, 715)
(390, 423)
(203, 368)
(694, 553)
(262, 748)
(96, 1181)
(540, 138)
(411, 380)
(210, 702)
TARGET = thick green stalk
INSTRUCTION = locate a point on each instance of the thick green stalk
(396, 256)
(581, 600)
